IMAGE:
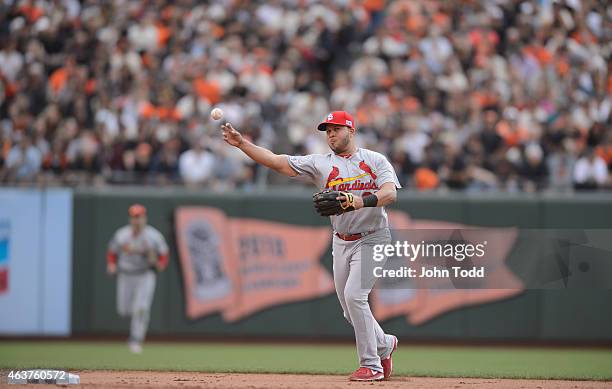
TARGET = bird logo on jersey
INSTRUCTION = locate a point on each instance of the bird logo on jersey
(366, 168)
(335, 172)
(338, 183)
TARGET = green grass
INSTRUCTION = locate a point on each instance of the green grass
(433, 361)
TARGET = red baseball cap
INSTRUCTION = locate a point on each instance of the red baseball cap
(137, 210)
(341, 118)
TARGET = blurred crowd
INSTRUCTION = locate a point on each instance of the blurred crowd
(504, 95)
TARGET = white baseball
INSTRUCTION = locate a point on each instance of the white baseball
(216, 114)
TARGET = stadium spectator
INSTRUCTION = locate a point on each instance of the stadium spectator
(590, 171)
(23, 161)
(533, 171)
(196, 165)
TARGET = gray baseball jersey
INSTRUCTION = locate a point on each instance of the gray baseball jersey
(133, 250)
(362, 173)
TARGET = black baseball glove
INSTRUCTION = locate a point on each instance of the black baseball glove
(326, 202)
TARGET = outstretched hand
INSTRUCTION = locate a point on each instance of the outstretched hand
(231, 136)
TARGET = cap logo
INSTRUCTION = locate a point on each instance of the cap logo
(349, 123)
(330, 116)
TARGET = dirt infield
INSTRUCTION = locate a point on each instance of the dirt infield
(148, 379)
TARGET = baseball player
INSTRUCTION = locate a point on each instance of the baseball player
(135, 253)
(361, 182)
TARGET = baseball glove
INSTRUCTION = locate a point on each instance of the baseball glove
(326, 202)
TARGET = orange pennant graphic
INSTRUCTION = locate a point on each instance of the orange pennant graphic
(240, 266)
(424, 299)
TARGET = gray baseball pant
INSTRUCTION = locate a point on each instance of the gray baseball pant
(354, 280)
(134, 298)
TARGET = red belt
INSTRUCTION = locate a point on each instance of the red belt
(352, 237)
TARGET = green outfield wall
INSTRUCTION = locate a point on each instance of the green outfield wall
(576, 315)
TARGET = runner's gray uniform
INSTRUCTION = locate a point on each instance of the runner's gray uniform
(362, 173)
(135, 275)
